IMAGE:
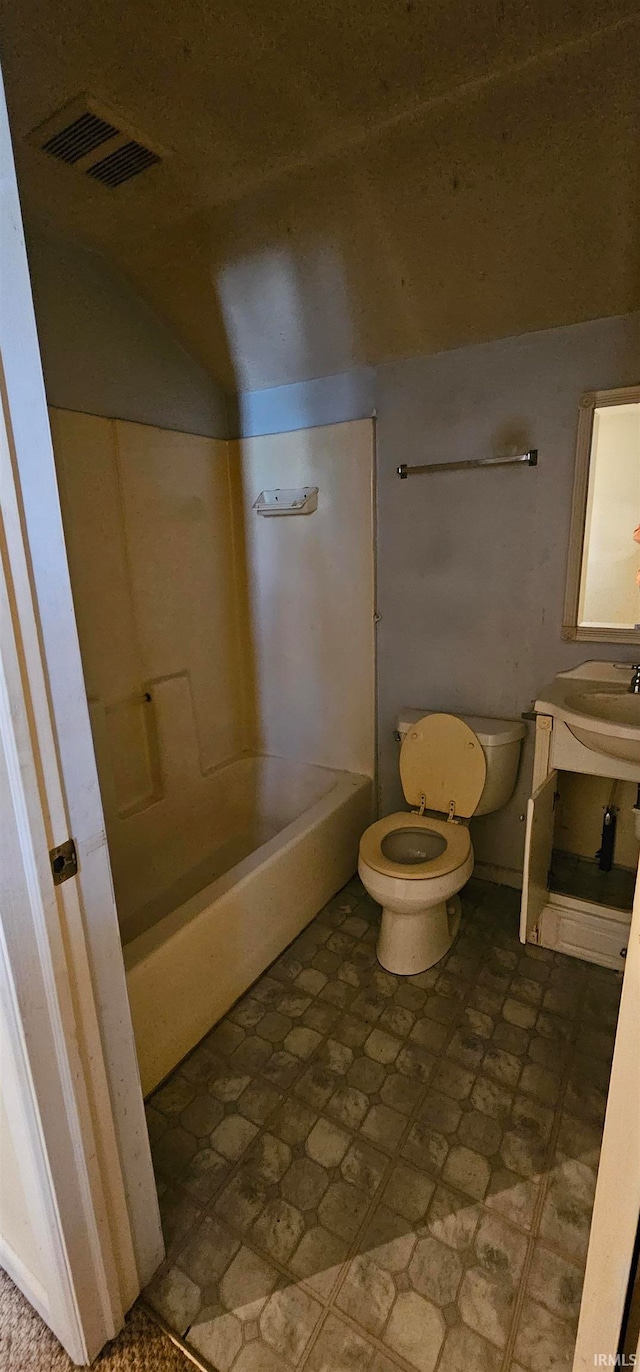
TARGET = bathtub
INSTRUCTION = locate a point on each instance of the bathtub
(284, 842)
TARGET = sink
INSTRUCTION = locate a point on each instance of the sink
(617, 706)
(597, 708)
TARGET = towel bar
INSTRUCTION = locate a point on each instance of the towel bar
(531, 459)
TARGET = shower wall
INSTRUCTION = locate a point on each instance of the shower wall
(154, 539)
(311, 591)
(208, 633)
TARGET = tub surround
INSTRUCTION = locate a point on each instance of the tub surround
(230, 667)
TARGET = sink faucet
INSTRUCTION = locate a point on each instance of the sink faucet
(634, 684)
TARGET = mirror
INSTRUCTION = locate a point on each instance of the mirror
(603, 580)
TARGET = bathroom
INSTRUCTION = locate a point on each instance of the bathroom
(386, 1185)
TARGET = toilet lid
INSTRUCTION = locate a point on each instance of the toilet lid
(442, 763)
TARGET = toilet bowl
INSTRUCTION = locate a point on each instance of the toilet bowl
(414, 863)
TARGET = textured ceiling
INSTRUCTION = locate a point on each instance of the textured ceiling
(348, 182)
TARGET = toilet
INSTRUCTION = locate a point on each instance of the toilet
(415, 862)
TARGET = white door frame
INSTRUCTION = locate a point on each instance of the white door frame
(617, 1201)
(65, 999)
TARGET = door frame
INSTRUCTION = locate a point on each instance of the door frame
(616, 1208)
(70, 943)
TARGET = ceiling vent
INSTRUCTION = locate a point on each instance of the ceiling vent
(95, 142)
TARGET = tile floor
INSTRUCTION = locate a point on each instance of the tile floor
(359, 1171)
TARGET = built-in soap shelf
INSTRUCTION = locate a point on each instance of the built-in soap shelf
(287, 500)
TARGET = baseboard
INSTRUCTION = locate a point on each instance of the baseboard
(25, 1281)
(502, 876)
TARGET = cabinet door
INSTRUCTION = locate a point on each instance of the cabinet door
(537, 855)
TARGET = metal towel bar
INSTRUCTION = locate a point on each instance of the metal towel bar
(530, 458)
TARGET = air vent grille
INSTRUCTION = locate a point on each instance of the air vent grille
(96, 142)
(80, 138)
(119, 166)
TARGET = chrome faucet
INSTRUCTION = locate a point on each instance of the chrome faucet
(634, 684)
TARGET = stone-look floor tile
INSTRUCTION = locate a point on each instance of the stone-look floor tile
(540, 1082)
(452, 1079)
(209, 1251)
(176, 1297)
(426, 1147)
(258, 1102)
(429, 1034)
(518, 1013)
(480, 1132)
(367, 1294)
(389, 1240)
(278, 1229)
(382, 1047)
(579, 1140)
(339, 1349)
(204, 1174)
(466, 1351)
(512, 1196)
(544, 1343)
(503, 1067)
(269, 1159)
(335, 1056)
(342, 1209)
(487, 1294)
(173, 1150)
(327, 1143)
(491, 1098)
(452, 1218)
(415, 1330)
(233, 1136)
(178, 1214)
(304, 1184)
(288, 1320)
(556, 1283)
(333, 1084)
(435, 1271)
(468, 1171)
(440, 1112)
(218, 1339)
(242, 1200)
(174, 1096)
(467, 1048)
(401, 1093)
(318, 1260)
(364, 1166)
(415, 1062)
(396, 1020)
(566, 1215)
(348, 1105)
(408, 1192)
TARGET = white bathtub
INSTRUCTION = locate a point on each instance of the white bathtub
(286, 842)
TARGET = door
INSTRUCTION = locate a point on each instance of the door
(537, 855)
(616, 1210)
(79, 1225)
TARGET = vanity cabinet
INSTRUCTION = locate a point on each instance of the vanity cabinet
(565, 922)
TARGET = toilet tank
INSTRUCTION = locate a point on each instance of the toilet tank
(501, 740)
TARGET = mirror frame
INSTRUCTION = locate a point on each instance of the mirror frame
(589, 402)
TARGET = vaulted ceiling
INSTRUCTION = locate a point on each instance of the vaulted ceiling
(347, 181)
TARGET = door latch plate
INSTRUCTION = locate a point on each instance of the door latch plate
(64, 861)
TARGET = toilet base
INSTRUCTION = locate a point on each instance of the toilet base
(408, 944)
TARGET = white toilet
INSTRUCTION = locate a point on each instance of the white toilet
(414, 863)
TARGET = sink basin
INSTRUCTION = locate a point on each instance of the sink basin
(612, 707)
(617, 706)
(601, 713)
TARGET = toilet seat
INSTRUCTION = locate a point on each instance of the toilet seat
(442, 765)
(455, 854)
